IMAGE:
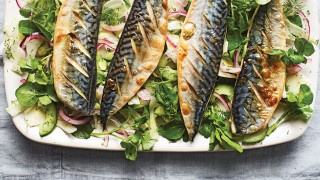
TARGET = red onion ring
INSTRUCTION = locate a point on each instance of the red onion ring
(106, 139)
(175, 13)
(33, 36)
(23, 81)
(236, 58)
(171, 42)
(224, 102)
(306, 23)
(105, 43)
(123, 133)
(73, 121)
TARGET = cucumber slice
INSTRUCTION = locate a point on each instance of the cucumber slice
(118, 6)
(50, 120)
(224, 89)
(255, 137)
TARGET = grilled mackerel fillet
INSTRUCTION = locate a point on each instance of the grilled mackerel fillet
(74, 56)
(137, 55)
(262, 79)
(200, 52)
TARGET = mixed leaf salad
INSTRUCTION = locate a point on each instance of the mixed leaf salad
(154, 111)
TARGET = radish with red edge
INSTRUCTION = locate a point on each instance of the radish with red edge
(291, 70)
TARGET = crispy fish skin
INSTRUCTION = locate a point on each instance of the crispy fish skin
(262, 79)
(74, 57)
(200, 53)
(137, 55)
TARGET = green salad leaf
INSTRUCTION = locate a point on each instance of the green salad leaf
(83, 131)
(41, 15)
(298, 106)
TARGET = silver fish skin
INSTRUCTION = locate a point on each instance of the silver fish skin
(74, 57)
(199, 58)
(261, 81)
(137, 55)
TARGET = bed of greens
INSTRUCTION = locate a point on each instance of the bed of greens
(154, 112)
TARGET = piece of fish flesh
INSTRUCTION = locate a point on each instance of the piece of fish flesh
(74, 56)
(200, 53)
(261, 82)
(137, 55)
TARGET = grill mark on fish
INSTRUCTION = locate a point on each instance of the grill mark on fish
(138, 52)
(194, 70)
(260, 86)
(76, 65)
(74, 57)
(201, 44)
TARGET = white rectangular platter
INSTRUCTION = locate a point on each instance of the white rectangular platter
(288, 131)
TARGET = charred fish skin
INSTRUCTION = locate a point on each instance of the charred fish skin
(74, 57)
(261, 81)
(200, 53)
(137, 55)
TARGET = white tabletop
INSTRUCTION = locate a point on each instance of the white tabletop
(21, 158)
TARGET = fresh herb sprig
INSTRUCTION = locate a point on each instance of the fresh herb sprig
(298, 106)
(297, 55)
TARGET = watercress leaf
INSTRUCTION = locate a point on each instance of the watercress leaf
(41, 78)
(52, 93)
(172, 131)
(213, 141)
(304, 47)
(305, 96)
(28, 93)
(292, 97)
(45, 100)
(27, 27)
(295, 19)
(83, 131)
(293, 59)
(147, 141)
(303, 113)
(206, 129)
(131, 152)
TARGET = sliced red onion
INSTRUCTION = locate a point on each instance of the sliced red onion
(73, 121)
(230, 70)
(123, 133)
(306, 23)
(105, 43)
(182, 3)
(113, 28)
(175, 13)
(23, 81)
(224, 102)
(18, 4)
(236, 59)
(130, 132)
(33, 36)
(171, 42)
(144, 94)
(106, 139)
(293, 69)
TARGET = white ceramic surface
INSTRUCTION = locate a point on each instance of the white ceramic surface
(286, 132)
